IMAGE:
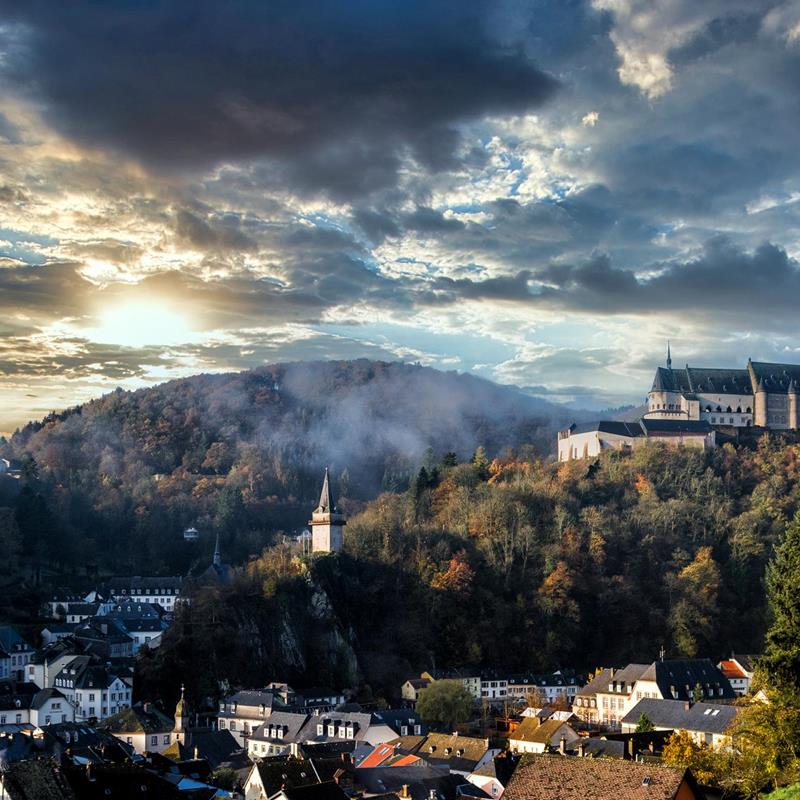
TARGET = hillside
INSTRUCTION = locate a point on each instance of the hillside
(119, 478)
(514, 564)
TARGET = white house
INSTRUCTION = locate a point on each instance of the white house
(146, 728)
(94, 690)
(15, 654)
(276, 735)
(739, 671)
(535, 736)
(706, 723)
(164, 591)
(29, 705)
(548, 687)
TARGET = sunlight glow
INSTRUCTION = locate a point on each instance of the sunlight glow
(140, 325)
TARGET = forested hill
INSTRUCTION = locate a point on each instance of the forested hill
(242, 454)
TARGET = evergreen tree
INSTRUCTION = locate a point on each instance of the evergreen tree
(781, 661)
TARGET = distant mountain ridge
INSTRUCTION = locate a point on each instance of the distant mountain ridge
(245, 451)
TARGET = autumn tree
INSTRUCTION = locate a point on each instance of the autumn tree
(445, 703)
(694, 615)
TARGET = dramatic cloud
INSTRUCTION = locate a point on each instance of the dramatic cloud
(539, 192)
(336, 92)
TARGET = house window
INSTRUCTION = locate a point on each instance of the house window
(129, 739)
(166, 738)
(233, 725)
(154, 740)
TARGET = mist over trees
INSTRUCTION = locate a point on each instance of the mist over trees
(116, 481)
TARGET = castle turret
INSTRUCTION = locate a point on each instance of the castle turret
(761, 405)
(327, 524)
(792, 392)
(669, 356)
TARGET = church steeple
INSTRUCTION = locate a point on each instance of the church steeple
(669, 356)
(327, 524)
(326, 504)
(217, 562)
(180, 719)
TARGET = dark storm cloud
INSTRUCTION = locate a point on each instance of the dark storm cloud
(336, 92)
(760, 287)
(218, 233)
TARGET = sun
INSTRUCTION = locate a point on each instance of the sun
(140, 325)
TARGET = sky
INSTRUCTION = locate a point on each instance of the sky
(540, 193)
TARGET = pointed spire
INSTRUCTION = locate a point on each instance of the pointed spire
(217, 556)
(792, 387)
(326, 504)
(669, 356)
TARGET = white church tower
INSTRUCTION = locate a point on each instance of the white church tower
(327, 524)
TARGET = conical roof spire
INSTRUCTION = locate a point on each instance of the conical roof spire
(326, 504)
(669, 356)
(217, 555)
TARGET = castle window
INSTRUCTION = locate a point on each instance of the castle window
(713, 420)
(729, 409)
(747, 410)
(719, 408)
(738, 409)
(708, 408)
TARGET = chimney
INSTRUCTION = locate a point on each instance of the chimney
(562, 745)
(631, 749)
(294, 750)
(196, 753)
(147, 708)
(404, 791)
(581, 748)
(687, 704)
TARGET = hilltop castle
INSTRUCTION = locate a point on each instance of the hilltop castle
(762, 394)
(688, 406)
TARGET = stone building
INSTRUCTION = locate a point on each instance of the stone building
(764, 395)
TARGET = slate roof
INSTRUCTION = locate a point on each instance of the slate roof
(609, 426)
(597, 747)
(289, 723)
(11, 641)
(775, 377)
(597, 684)
(701, 379)
(316, 791)
(654, 427)
(747, 663)
(465, 752)
(37, 779)
(673, 714)
(116, 585)
(677, 678)
(275, 773)
(137, 720)
(547, 777)
(396, 718)
(420, 780)
(215, 746)
(622, 678)
(359, 721)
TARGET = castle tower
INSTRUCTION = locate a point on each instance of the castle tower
(327, 524)
(792, 392)
(181, 716)
(760, 420)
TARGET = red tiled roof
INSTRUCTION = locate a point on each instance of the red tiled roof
(730, 669)
(378, 755)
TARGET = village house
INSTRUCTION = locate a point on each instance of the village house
(410, 690)
(55, 632)
(25, 705)
(552, 777)
(608, 697)
(535, 735)
(615, 696)
(493, 776)
(244, 711)
(706, 723)
(462, 755)
(471, 680)
(355, 726)
(739, 671)
(548, 687)
(94, 690)
(164, 591)
(15, 654)
(276, 735)
(147, 729)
